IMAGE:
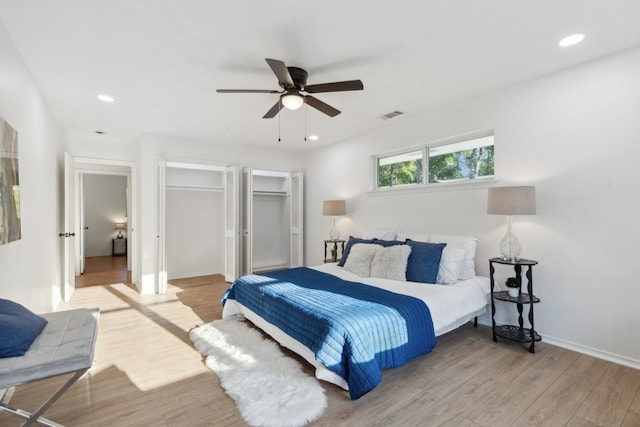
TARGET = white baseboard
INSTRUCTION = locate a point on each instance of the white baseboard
(600, 354)
(485, 319)
(192, 274)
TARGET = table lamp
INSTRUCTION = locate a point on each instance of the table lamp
(120, 227)
(511, 201)
(333, 208)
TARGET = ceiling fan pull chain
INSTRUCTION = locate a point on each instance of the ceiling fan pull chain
(279, 121)
(305, 121)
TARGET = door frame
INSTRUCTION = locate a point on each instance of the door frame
(83, 165)
(163, 165)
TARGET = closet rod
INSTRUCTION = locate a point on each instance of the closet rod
(188, 188)
(271, 193)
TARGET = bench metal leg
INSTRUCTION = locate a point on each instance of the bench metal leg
(35, 416)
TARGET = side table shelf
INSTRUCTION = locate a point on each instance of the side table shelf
(515, 332)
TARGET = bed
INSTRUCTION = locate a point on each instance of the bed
(448, 306)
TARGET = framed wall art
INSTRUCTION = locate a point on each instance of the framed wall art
(10, 226)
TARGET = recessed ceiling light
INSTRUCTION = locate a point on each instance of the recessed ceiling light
(313, 137)
(571, 40)
(105, 98)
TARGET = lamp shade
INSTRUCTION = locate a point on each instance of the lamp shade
(333, 207)
(512, 200)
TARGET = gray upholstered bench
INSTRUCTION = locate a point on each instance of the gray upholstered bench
(65, 346)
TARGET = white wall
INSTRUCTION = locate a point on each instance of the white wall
(30, 268)
(194, 233)
(104, 206)
(575, 135)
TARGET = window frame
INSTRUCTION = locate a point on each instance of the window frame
(424, 148)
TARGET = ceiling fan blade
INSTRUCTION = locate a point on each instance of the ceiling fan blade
(321, 106)
(246, 91)
(335, 86)
(273, 111)
(282, 73)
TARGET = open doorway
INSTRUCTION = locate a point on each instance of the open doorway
(75, 169)
(103, 222)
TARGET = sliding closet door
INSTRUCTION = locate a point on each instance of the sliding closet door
(232, 223)
(162, 200)
(297, 220)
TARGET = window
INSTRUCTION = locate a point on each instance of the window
(400, 169)
(460, 160)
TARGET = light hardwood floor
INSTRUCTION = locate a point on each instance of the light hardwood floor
(146, 373)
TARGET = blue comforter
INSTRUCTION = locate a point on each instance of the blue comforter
(354, 329)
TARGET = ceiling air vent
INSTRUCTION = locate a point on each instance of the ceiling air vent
(391, 115)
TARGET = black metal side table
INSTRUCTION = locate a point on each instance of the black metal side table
(332, 247)
(512, 332)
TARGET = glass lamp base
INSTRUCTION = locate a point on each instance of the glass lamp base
(510, 246)
(334, 233)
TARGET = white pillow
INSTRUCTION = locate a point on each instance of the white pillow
(391, 262)
(451, 265)
(382, 234)
(416, 237)
(466, 243)
(360, 258)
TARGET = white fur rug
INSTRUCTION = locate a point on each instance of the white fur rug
(269, 388)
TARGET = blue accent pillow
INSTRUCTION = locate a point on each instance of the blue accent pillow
(387, 243)
(424, 261)
(352, 241)
(18, 328)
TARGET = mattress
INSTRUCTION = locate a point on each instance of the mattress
(451, 306)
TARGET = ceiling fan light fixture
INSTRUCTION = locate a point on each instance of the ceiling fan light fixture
(292, 101)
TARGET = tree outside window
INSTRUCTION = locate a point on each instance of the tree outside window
(464, 160)
(401, 169)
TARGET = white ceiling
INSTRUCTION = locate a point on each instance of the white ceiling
(163, 59)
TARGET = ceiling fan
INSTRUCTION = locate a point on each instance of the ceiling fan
(293, 81)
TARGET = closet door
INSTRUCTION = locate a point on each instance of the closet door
(162, 200)
(297, 220)
(247, 221)
(232, 223)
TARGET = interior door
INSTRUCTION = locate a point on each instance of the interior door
(162, 257)
(247, 221)
(297, 220)
(69, 277)
(232, 223)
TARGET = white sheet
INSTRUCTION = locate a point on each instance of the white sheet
(451, 306)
